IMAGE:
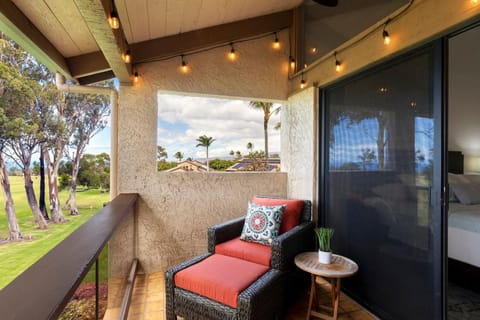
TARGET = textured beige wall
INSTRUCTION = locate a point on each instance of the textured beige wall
(175, 209)
(298, 149)
(424, 21)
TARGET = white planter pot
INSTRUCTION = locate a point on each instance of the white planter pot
(324, 257)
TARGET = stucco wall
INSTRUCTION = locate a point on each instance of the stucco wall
(424, 21)
(463, 94)
(298, 149)
(175, 209)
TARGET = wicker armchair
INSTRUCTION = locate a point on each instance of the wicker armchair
(267, 297)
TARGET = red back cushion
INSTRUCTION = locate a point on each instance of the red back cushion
(250, 251)
(291, 215)
(220, 278)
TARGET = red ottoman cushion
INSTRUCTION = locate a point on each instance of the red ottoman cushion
(291, 215)
(220, 278)
(250, 251)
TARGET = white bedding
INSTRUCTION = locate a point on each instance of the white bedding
(466, 217)
(464, 233)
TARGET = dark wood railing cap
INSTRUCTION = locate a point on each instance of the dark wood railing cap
(44, 289)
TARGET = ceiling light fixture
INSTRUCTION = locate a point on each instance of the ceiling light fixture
(276, 42)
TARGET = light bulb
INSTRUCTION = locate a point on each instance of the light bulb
(113, 20)
(338, 66)
(386, 37)
(303, 84)
(292, 64)
(184, 67)
(474, 1)
(135, 77)
(276, 43)
(232, 55)
(127, 57)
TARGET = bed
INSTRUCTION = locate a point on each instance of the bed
(463, 212)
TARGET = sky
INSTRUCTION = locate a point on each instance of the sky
(182, 119)
(352, 139)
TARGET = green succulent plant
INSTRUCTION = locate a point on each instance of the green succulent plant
(324, 236)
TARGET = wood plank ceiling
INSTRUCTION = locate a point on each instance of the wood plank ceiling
(79, 31)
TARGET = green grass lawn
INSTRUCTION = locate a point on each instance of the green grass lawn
(16, 257)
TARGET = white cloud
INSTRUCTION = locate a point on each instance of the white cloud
(231, 122)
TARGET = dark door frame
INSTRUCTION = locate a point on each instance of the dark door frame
(439, 51)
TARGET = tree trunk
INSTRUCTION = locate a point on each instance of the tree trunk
(381, 142)
(265, 133)
(31, 198)
(52, 170)
(41, 199)
(72, 201)
(14, 233)
(208, 167)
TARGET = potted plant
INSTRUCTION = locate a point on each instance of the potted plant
(324, 236)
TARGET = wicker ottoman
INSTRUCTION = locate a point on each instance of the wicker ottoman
(208, 294)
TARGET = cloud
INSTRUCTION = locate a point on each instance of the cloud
(232, 123)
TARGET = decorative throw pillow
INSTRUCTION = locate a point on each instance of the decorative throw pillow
(262, 223)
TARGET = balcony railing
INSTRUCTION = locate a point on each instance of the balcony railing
(43, 290)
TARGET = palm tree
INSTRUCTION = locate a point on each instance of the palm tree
(232, 153)
(250, 147)
(179, 156)
(205, 141)
(267, 113)
(161, 153)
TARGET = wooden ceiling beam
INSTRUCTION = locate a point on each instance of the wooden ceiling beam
(21, 30)
(97, 77)
(211, 36)
(88, 64)
(112, 43)
(96, 62)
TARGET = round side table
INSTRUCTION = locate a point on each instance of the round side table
(340, 267)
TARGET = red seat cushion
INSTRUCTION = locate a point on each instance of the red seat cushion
(220, 278)
(291, 215)
(250, 251)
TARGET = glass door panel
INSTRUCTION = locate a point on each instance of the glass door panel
(382, 147)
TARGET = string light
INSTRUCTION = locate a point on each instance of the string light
(276, 42)
(184, 66)
(127, 57)
(385, 35)
(113, 20)
(232, 55)
(292, 63)
(303, 83)
(338, 64)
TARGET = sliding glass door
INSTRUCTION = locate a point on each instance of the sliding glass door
(382, 180)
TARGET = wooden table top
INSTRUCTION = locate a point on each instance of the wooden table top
(340, 267)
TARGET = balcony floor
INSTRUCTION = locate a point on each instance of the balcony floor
(148, 301)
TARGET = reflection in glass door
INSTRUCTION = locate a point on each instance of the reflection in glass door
(382, 182)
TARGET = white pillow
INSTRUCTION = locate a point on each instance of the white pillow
(466, 193)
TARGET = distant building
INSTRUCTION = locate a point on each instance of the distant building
(249, 164)
(189, 166)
